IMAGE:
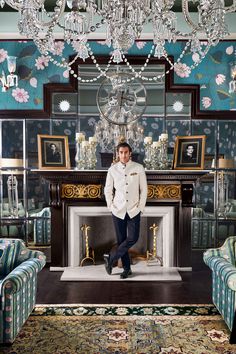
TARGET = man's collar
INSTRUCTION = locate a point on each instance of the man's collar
(122, 165)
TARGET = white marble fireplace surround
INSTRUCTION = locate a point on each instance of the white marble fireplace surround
(76, 213)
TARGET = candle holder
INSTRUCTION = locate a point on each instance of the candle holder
(148, 152)
(80, 137)
(155, 155)
(152, 256)
(92, 158)
(164, 162)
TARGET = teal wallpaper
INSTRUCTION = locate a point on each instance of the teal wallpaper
(213, 74)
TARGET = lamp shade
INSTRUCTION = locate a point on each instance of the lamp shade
(11, 166)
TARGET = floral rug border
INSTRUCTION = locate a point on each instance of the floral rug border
(125, 310)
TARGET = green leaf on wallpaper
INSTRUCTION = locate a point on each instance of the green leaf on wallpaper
(37, 100)
(54, 78)
(216, 57)
(199, 76)
(223, 95)
(27, 51)
(24, 72)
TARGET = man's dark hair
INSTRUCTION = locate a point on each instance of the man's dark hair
(123, 145)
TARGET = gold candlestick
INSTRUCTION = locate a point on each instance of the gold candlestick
(88, 255)
(152, 256)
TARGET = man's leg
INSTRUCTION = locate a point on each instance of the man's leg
(124, 241)
(121, 235)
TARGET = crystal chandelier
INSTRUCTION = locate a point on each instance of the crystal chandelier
(123, 21)
(109, 135)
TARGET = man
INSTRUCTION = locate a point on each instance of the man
(126, 194)
(189, 154)
(53, 155)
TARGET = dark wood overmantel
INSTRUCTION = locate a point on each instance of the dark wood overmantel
(85, 188)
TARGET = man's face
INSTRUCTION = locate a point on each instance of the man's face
(190, 150)
(124, 154)
(53, 147)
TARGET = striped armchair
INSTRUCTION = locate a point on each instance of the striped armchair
(18, 285)
(222, 262)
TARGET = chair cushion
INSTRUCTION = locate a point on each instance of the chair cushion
(7, 258)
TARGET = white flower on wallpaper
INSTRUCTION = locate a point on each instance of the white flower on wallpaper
(229, 50)
(3, 55)
(20, 95)
(140, 44)
(58, 48)
(182, 70)
(220, 78)
(33, 82)
(41, 62)
(206, 102)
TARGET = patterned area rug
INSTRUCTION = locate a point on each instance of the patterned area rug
(124, 329)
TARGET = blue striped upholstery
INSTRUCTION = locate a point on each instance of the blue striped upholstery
(42, 227)
(18, 288)
(222, 263)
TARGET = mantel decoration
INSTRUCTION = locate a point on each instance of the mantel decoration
(85, 158)
(155, 153)
(123, 23)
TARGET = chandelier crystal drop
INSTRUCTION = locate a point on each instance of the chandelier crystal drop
(123, 22)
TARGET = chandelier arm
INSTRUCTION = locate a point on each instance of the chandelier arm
(187, 16)
(17, 5)
(60, 5)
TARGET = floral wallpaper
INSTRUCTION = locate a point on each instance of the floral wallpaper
(34, 69)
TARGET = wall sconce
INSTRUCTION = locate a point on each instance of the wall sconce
(12, 167)
(11, 79)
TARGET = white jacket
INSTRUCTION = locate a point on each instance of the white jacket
(126, 189)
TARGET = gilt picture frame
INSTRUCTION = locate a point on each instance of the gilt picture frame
(53, 152)
(189, 152)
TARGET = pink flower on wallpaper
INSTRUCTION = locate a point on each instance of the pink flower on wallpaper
(33, 82)
(41, 62)
(20, 95)
(206, 102)
(220, 78)
(140, 44)
(182, 70)
(3, 55)
(66, 74)
(229, 50)
(58, 47)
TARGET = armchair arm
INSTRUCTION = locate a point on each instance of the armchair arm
(224, 270)
(27, 254)
(15, 280)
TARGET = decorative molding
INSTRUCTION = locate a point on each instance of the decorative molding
(164, 191)
(81, 191)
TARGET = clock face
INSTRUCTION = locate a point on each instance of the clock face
(119, 101)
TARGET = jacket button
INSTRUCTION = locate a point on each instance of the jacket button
(126, 183)
(127, 192)
(127, 200)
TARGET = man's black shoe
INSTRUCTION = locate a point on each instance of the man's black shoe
(108, 265)
(125, 273)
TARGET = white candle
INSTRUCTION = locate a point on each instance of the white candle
(92, 139)
(80, 136)
(148, 140)
(84, 143)
(155, 144)
(164, 136)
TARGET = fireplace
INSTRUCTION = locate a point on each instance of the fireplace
(103, 231)
(70, 189)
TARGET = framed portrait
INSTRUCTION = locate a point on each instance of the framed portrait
(189, 152)
(53, 152)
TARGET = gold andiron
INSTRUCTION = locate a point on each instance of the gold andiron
(89, 253)
(153, 256)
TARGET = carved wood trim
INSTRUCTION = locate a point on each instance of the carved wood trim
(164, 191)
(81, 191)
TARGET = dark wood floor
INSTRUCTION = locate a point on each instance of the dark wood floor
(195, 288)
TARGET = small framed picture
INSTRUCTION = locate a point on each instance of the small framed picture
(53, 152)
(189, 152)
